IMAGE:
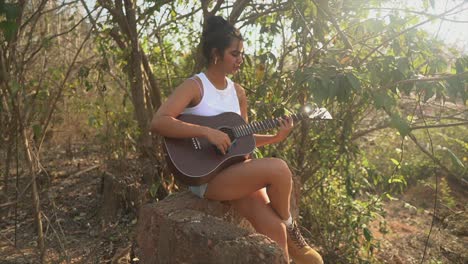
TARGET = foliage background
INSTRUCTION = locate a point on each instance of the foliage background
(93, 73)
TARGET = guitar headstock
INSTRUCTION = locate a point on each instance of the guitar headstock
(314, 112)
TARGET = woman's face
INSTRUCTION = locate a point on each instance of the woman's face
(233, 57)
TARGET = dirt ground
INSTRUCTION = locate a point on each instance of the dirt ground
(72, 221)
(71, 202)
(408, 223)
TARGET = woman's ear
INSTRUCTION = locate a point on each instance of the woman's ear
(216, 56)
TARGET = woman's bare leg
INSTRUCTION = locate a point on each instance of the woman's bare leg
(256, 208)
(242, 179)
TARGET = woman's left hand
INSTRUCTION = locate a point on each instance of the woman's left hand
(286, 125)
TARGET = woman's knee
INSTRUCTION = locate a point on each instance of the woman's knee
(281, 170)
(275, 230)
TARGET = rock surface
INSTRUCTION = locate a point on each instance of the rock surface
(185, 229)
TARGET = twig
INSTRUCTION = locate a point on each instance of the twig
(18, 198)
(175, 20)
(408, 29)
(7, 239)
(85, 170)
(62, 87)
(359, 134)
(428, 79)
(439, 126)
(437, 161)
(335, 24)
(414, 12)
(62, 246)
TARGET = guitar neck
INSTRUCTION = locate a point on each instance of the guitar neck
(256, 127)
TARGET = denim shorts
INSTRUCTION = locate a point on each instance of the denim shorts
(199, 190)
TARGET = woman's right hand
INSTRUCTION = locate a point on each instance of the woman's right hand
(219, 139)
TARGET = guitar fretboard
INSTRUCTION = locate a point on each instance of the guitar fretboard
(256, 127)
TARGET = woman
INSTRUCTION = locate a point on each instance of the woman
(259, 189)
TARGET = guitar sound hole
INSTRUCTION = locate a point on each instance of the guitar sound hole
(229, 132)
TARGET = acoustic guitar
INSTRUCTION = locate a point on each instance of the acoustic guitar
(194, 161)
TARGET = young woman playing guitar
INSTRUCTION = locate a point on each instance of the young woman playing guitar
(259, 189)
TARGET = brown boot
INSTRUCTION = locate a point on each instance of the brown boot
(299, 250)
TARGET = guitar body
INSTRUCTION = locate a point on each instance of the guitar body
(194, 161)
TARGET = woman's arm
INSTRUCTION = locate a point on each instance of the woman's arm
(261, 140)
(283, 132)
(165, 122)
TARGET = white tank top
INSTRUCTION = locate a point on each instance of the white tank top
(215, 101)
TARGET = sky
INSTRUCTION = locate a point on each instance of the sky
(453, 31)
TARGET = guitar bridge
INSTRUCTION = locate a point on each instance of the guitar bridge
(196, 144)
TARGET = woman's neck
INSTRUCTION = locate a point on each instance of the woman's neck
(216, 77)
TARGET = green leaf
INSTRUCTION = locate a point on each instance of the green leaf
(83, 72)
(399, 123)
(11, 11)
(455, 160)
(343, 88)
(428, 88)
(154, 188)
(257, 153)
(396, 162)
(332, 89)
(383, 100)
(88, 85)
(396, 46)
(454, 87)
(459, 66)
(14, 87)
(92, 121)
(9, 26)
(407, 87)
(37, 130)
(391, 198)
(317, 90)
(353, 80)
(43, 94)
(9, 29)
(367, 234)
(403, 65)
(425, 4)
(397, 180)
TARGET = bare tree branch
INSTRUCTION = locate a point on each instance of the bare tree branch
(31, 56)
(414, 12)
(362, 133)
(427, 79)
(62, 87)
(36, 13)
(435, 159)
(332, 19)
(237, 9)
(439, 125)
(175, 20)
(408, 29)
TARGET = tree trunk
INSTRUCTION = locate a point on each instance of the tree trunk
(31, 160)
(126, 36)
(6, 176)
(135, 75)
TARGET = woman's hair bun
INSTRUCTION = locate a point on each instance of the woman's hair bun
(215, 23)
(217, 34)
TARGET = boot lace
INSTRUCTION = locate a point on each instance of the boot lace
(296, 236)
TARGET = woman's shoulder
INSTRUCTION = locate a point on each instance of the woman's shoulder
(191, 82)
(239, 89)
(190, 86)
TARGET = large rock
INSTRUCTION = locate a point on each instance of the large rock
(185, 229)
